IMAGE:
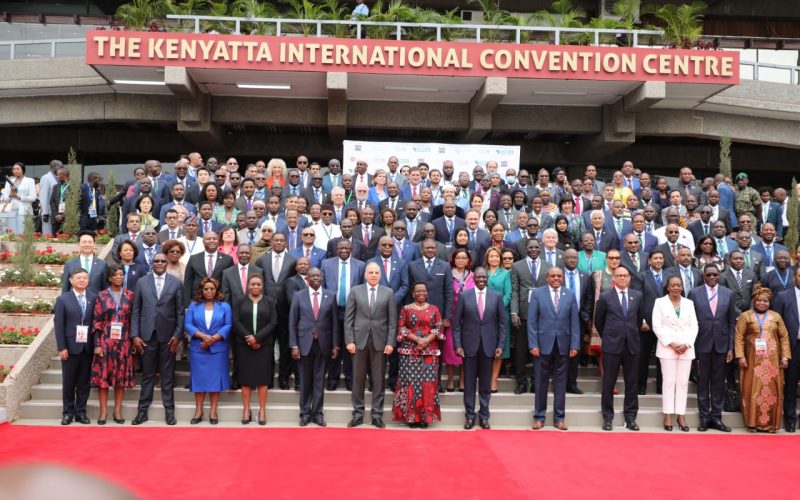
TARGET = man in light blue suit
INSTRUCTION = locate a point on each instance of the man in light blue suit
(553, 338)
(340, 286)
(307, 249)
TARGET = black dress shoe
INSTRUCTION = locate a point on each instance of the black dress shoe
(140, 418)
(213, 420)
(83, 420)
(348, 386)
(320, 421)
(66, 419)
(607, 425)
(101, 421)
(703, 426)
(631, 425)
(521, 389)
(304, 421)
(574, 390)
(642, 392)
(485, 424)
(119, 421)
(790, 426)
(196, 420)
(283, 384)
(171, 420)
(332, 387)
(533, 388)
(423, 425)
(494, 391)
(355, 422)
(378, 422)
(296, 387)
(469, 424)
(718, 425)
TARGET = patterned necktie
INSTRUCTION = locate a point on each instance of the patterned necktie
(768, 255)
(747, 260)
(172, 235)
(210, 267)
(429, 267)
(674, 250)
(658, 281)
(251, 236)
(206, 226)
(315, 305)
(480, 304)
(150, 258)
(292, 239)
(571, 281)
(367, 235)
(713, 302)
(556, 300)
(635, 260)
(533, 271)
(308, 253)
(739, 279)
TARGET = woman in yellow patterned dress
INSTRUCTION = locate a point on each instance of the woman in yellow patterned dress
(761, 345)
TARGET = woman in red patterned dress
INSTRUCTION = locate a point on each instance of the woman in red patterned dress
(112, 365)
(416, 397)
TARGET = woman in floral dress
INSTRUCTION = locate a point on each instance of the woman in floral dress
(419, 330)
(112, 365)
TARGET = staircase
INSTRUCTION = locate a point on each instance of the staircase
(508, 410)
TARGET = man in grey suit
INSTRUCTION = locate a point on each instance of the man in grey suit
(479, 334)
(526, 274)
(370, 334)
(553, 336)
(156, 328)
(738, 280)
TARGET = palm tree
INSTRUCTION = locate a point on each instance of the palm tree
(140, 14)
(494, 15)
(305, 9)
(336, 11)
(683, 23)
(398, 11)
(563, 15)
(252, 9)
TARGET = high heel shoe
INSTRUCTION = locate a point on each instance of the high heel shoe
(196, 420)
(683, 426)
(450, 389)
(667, 427)
(249, 418)
(101, 421)
(213, 420)
(262, 421)
(119, 420)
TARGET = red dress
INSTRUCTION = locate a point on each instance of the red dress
(115, 367)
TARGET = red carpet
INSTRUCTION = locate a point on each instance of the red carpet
(160, 463)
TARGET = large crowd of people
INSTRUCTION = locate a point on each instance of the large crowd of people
(432, 280)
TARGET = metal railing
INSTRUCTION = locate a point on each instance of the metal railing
(794, 71)
(403, 29)
(29, 49)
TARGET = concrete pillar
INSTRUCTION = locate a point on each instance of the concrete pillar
(644, 96)
(194, 122)
(337, 106)
(618, 132)
(482, 106)
(180, 82)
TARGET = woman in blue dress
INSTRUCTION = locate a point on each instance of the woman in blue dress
(208, 325)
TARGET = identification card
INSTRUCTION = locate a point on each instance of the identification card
(81, 334)
(92, 213)
(761, 347)
(62, 207)
(530, 292)
(116, 331)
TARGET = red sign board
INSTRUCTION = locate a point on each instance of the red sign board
(270, 53)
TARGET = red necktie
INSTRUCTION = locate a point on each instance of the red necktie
(244, 279)
(308, 253)
(210, 269)
(386, 267)
(414, 192)
(366, 236)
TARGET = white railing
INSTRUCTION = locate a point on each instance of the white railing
(30, 49)
(792, 71)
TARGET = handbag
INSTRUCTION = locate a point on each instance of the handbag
(732, 400)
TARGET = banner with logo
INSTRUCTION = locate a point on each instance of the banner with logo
(465, 157)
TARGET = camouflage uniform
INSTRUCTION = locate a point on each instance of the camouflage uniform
(746, 201)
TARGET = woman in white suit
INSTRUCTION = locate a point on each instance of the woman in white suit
(675, 325)
(20, 191)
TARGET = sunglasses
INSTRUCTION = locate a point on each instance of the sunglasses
(161, 261)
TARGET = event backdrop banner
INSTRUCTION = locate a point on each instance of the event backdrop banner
(271, 53)
(465, 157)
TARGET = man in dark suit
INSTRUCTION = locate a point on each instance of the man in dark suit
(370, 334)
(234, 289)
(293, 186)
(346, 227)
(368, 232)
(205, 224)
(92, 205)
(278, 266)
(526, 274)
(702, 226)
(478, 238)
(647, 242)
(314, 332)
(531, 233)
(201, 264)
(394, 274)
(753, 261)
(156, 329)
(133, 224)
(582, 286)
(786, 305)
(178, 198)
(632, 257)
(316, 192)
(685, 269)
(298, 282)
(172, 230)
(72, 322)
(447, 225)
(404, 248)
(414, 221)
(780, 278)
(393, 201)
(554, 338)
(147, 248)
(314, 254)
(768, 247)
(479, 334)
(771, 211)
(86, 260)
(738, 280)
(617, 225)
(652, 284)
(334, 281)
(715, 308)
(429, 233)
(605, 239)
(618, 315)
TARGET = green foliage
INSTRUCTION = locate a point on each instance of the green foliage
(72, 216)
(26, 251)
(336, 11)
(305, 9)
(397, 11)
(252, 9)
(494, 15)
(140, 14)
(112, 213)
(725, 166)
(791, 237)
(683, 24)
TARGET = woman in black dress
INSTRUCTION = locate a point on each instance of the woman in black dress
(255, 323)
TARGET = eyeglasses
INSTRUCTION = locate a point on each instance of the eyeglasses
(300, 162)
(386, 244)
(307, 234)
(159, 261)
(612, 258)
(327, 213)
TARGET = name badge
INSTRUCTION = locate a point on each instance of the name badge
(81, 334)
(116, 331)
(92, 213)
(761, 347)
(62, 207)
(530, 292)
(448, 245)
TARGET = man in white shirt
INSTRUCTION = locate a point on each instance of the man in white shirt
(325, 229)
(46, 184)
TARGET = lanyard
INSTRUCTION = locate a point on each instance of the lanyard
(328, 232)
(63, 188)
(116, 298)
(191, 248)
(783, 279)
(760, 323)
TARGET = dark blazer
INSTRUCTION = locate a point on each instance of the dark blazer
(398, 277)
(196, 270)
(586, 299)
(645, 282)
(136, 271)
(66, 319)
(399, 206)
(162, 215)
(83, 204)
(548, 328)
(440, 283)
(627, 262)
(756, 262)
(759, 248)
(311, 198)
(302, 323)
(359, 250)
(611, 228)
(742, 295)
(438, 211)
(376, 232)
(119, 239)
(163, 235)
(293, 285)
(266, 321)
(616, 329)
(98, 277)
(669, 261)
(241, 203)
(232, 285)
(696, 228)
(141, 258)
(277, 290)
(715, 331)
(330, 274)
(650, 243)
(470, 331)
(316, 257)
(697, 276)
(522, 283)
(785, 304)
(774, 217)
(215, 226)
(442, 233)
(608, 239)
(773, 281)
(418, 233)
(162, 316)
